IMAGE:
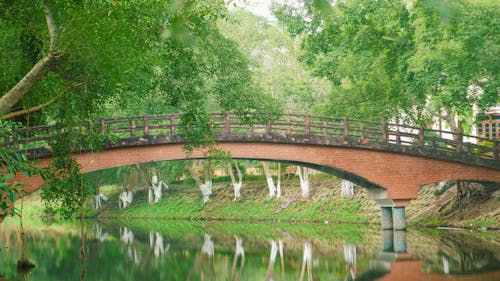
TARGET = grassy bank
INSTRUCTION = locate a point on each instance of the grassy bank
(184, 202)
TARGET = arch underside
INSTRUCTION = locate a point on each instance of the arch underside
(397, 176)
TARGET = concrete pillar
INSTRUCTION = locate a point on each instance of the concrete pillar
(386, 215)
(387, 241)
(400, 241)
(398, 216)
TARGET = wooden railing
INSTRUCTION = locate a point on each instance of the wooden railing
(344, 129)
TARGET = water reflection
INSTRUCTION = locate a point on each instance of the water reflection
(245, 251)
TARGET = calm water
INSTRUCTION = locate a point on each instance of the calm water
(159, 250)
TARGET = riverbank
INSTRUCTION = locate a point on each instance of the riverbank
(435, 207)
(184, 202)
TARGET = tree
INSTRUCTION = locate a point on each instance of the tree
(456, 63)
(65, 61)
(273, 56)
(361, 48)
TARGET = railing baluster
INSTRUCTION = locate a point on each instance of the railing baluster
(346, 128)
(325, 129)
(384, 132)
(146, 126)
(172, 125)
(362, 133)
(307, 123)
(227, 121)
(132, 128)
(269, 127)
(103, 126)
(421, 136)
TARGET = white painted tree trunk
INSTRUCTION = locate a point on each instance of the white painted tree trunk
(307, 262)
(278, 185)
(98, 200)
(269, 179)
(237, 185)
(347, 189)
(206, 186)
(155, 190)
(126, 198)
(304, 181)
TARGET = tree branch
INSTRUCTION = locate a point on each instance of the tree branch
(31, 110)
(51, 25)
(8, 100)
(25, 84)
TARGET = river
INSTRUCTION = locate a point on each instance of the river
(216, 250)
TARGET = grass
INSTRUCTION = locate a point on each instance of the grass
(183, 202)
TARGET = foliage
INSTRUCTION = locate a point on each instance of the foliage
(65, 189)
(274, 61)
(12, 161)
(414, 60)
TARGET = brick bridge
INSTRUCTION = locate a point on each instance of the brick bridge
(390, 160)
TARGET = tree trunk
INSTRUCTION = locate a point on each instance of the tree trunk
(237, 185)
(269, 179)
(347, 189)
(278, 184)
(304, 181)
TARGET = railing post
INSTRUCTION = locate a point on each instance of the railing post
(269, 127)
(146, 126)
(325, 129)
(496, 150)
(460, 140)
(227, 121)
(132, 128)
(384, 131)
(288, 125)
(103, 126)
(307, 123)
(398, 135)
(362, 133)
(346, 128)
(421, 136)
(172, 125)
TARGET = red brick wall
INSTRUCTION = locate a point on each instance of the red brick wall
(400, 174)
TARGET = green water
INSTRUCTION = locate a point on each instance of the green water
(180, 250)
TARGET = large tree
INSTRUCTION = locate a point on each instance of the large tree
(68, 62)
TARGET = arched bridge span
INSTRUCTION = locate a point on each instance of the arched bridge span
(395, 158)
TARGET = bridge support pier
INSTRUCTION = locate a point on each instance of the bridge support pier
(398, 217)
(392, 217)
(386, 216)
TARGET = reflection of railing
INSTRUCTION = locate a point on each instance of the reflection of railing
(326, 127)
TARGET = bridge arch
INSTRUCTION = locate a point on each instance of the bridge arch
(396, 177)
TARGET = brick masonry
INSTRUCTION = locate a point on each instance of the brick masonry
(400, 174)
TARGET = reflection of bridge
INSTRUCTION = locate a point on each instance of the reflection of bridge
(391, 160)
(403, 267)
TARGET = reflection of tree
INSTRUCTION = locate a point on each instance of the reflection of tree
(350, 260)
(1, 249)
(127, 238)
(207, 252)
(238, 251)
(307, 261)
(24, 265)
(275, 247)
